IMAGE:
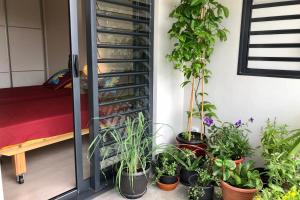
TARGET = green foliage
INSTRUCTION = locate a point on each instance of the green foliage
(195, 193)
(229, 141)
(277, 193)
(204, 178)
(196, 30)
(187, 159)
(134, 150)
(196, 34)
(166, 166)
(241, 176)
(282, 166)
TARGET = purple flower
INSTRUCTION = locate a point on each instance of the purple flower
(238, 123)
(208, 121)
(251, 119)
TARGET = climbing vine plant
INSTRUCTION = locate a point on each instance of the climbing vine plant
(196, 29)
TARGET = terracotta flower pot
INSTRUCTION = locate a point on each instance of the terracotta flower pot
(240, 161)
(234, 193)
(167, 187)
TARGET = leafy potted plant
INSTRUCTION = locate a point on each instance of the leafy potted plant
(196, 29)
(201, 186)
(278, 193)
(230, 141)
(165, 173)
(278, 151)
(134, 155)
(238, 182)
(190, 163)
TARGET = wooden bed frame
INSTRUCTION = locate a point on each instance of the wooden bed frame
(18, 151)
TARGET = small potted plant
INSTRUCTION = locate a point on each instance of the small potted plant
(134, 155)
(189, 163)
(165, 173)
(238, 182)
(197, 28)
(202, 187)
(230, 141)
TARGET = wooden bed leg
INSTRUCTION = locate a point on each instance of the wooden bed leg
(19, 162)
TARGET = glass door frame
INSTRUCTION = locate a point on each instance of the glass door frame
(82, 188)
(93, 185)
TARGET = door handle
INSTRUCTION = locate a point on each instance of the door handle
(74, 65)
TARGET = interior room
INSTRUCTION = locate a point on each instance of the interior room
(35, 49)
(150, 99)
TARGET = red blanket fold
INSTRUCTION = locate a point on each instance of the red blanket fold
(39, 118)
(18, 94)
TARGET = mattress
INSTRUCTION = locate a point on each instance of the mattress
(38, 118)
(35, 112)
(18, 94)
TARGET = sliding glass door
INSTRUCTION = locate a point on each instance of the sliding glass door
(115, 81)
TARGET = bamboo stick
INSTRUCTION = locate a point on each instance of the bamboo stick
(190, 119)
(202, 107)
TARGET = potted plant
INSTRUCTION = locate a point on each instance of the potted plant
(281, 160)
(190, 163)
(230, 141)
(238, 182)
(134, 156)
(278, 193)
(196, 29)
(165, 173)
(202, 187)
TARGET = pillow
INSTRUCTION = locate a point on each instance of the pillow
(63, 81)
(54, 80)
(69, 85)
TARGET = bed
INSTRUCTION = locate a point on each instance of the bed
(33, 117)
(36, 116)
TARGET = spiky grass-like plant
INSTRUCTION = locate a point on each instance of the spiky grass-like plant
(134, 147)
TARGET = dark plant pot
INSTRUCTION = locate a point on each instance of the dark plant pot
(234, 193)
(196, 144)
(208, 193)
(263, 176)
(168, 183)
(168, 179)
(185, 176)
(208, 190)
(136, 189)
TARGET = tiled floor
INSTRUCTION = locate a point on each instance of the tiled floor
(153, 193)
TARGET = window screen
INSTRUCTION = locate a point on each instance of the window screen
(270, 38)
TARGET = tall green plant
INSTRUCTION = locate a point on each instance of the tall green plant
(133, 147)
(196, 29)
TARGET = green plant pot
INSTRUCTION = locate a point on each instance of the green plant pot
(136, 189)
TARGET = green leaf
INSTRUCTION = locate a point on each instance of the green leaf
(196, 2)
(185, 83)
(237, 179)
(219, 162)
(226, 11)
(230, 164)
(226, 175)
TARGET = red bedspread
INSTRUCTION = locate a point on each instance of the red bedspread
(13, 95)
(39, 118)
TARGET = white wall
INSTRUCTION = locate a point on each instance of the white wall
(168, 96)
(23, 59)
(57, 34)
(242, 97)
